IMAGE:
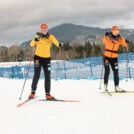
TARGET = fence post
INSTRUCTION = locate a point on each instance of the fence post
(91, 67)
(129, 69)
(64, 69)
(12, 72)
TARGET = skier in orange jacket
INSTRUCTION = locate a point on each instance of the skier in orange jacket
(112, 40)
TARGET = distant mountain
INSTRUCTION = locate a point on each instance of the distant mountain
(70, 33)
(25, 44)
(3, 47)
(129, 34)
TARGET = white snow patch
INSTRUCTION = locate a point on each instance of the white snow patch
(96, 113)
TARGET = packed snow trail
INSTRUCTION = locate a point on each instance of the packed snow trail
(96, 113)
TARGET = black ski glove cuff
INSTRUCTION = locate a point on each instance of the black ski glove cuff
(127, 41)
(60, 45)
(36, 38)
(107, 33)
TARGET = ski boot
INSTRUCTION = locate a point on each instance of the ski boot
(31, 96)
(50, 97)
(105, 88)
(118, 89)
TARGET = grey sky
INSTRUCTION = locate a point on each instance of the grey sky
(20, 19)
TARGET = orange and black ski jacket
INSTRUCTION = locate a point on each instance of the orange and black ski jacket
(112, 45)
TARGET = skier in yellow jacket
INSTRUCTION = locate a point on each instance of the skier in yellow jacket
(43, 41)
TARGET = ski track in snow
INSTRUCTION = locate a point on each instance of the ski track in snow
(96, 113)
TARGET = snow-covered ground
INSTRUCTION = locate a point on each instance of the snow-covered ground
(96, 113)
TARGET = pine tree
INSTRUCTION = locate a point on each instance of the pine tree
(88, 49)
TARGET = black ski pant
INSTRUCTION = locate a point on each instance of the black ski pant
(114, 65)
(38, 63)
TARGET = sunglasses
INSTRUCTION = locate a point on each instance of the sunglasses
(116, 31)
(44, 29)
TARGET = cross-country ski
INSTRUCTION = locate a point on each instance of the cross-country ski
(58, 100)
(26, 101)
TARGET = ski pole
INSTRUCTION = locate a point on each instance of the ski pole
(27, 71)
(127, 66)
(103, 58)
(58, 64)
(101, 72)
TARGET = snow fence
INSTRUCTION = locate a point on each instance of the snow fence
(88, 68)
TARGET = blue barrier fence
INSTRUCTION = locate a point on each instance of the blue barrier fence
(88, 68)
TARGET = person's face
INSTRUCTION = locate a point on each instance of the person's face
(115, 33)
(44, 31)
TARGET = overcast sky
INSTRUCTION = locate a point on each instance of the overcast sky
(21, 19)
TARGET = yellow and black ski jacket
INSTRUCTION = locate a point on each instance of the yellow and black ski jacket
(44, 44)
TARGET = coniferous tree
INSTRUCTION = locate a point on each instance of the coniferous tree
(88, 49)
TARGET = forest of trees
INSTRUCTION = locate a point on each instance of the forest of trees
(69, 52)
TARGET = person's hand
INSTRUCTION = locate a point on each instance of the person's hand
(107, 33)
(36, 38)
(60, 45)
(127, 41)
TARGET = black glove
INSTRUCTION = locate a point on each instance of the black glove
(107, 33)
(36, 38)
(127, 41)
(60, 45)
